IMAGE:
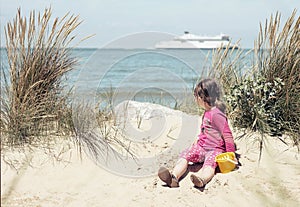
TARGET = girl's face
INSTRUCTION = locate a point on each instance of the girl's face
(200, 101)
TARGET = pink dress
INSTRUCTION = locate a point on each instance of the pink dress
(215, 138)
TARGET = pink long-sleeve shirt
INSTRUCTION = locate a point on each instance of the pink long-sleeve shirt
(215, 131)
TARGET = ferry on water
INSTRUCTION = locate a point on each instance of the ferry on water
(191, 41)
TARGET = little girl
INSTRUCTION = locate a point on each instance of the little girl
(215, 138)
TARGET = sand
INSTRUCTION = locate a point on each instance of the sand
(63, 177)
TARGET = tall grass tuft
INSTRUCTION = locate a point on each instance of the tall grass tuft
(278, 62)
(263, 95)
(33, 103)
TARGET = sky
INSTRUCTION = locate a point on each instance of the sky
(137, 21)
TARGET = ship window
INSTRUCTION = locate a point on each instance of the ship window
(225, 38)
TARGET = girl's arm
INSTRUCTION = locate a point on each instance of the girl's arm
(221, 124)
(228, 138)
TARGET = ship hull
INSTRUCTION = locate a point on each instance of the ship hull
(193, 45)
(190, 41)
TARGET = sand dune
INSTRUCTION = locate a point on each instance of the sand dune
(64, 178)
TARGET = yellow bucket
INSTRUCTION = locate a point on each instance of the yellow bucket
(226, 161)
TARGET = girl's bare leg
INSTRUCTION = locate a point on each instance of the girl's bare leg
(171, 179)
(180, 168)
(204, 176)
(207, 173)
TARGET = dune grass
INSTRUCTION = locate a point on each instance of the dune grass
(263, 96)
(33, 104)
(36, 109)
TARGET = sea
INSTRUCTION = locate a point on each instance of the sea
(110, 76)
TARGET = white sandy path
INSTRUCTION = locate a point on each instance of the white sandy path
(274, 182)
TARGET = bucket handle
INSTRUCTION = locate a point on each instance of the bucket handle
(232, 161)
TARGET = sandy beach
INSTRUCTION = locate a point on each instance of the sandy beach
(63, 177)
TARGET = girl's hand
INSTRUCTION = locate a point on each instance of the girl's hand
(195, 142)
(236, 161)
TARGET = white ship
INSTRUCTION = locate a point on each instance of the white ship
(191, 41)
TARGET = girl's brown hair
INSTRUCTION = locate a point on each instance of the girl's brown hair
(209, 91)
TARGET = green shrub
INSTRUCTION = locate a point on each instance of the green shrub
(255, 105)
(265, 97)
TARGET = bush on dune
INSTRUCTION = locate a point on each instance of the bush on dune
(266, 97)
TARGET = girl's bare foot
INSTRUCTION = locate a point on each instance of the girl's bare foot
(198, 182)
(165, 175)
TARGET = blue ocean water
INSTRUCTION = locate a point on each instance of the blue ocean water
(137, 74)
